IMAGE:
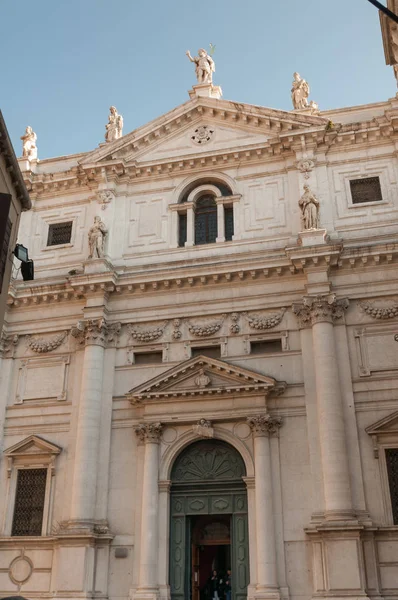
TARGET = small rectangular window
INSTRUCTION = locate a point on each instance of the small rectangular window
(229, 222)
(265, 346)
(392, 470)
(210, 351)
(147, 358)
(182, 229)
(365, 190)
(59, 233)
(29, 502)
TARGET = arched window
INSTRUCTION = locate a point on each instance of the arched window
(205, 214)
(205, 220)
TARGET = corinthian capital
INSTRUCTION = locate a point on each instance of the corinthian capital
(264, 425)
(149, 432)
(317, 309)
(96, 332)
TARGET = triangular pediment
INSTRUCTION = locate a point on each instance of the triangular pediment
(170, 136)
(385, 426)
(204, 376)
(31, 446)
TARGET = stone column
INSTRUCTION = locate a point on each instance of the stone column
(149, 543)
(220, 221)
(94, 334)
(321, 312)
(262, 427)
(190, 224)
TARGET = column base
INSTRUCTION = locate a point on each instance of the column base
(266, 593)
(145, 594)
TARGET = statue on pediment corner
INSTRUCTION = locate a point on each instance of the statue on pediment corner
(96, 238)
(29, 148)
(300, 92)
(114, 127)
(309, 205)
(204, 66)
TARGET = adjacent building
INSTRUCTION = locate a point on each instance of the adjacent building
(204, 373)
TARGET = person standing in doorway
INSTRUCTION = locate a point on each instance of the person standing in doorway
(228, 585)
(214, 585)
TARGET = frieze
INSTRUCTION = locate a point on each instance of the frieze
(380, 311)
(265, 322)
(42, 345)
(206, 329)
(147, 335)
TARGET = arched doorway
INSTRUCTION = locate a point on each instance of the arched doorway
(208, 520)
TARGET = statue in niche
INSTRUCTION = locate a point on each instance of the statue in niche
(300, 92)
(96, 238)
(29, 148)
(114, 127)
(205, 66)
(309, 205)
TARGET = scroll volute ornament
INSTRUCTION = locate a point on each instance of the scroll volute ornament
(317, 309)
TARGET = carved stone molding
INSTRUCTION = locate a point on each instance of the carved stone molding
(147, 335)
(234, 327)
(386, 310)
(202, 134)
(264, 425)
(206, 329)
(96, 332)
(265, 322)
(42, 345)
(149, 432)
(320, 309)
(8, 344)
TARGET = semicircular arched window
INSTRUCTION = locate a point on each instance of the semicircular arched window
(205, 220)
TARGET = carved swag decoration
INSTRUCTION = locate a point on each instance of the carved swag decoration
(42, 345)
(147, 335)
(384, 310)
(265, 322)
(206, 329)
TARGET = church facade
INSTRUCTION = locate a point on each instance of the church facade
(204, 373)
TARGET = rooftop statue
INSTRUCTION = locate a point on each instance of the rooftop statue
(205, 66)
(114, 127)
(96, 238)
(29, 148)
(309, 205)
(300, 92)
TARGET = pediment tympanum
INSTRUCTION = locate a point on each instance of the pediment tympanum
(384, 431)
(180, 131)
(32, 446)
(202, 376)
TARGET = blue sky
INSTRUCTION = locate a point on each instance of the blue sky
(66, 61)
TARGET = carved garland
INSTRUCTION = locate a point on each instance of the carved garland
(147, 335)
(42, 345)
(266, 322)
(206, 330)
(379, 312)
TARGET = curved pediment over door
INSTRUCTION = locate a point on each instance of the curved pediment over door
(203, 377)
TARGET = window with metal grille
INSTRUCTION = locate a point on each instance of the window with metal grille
(392, 470)
(29, 502)
(210, 351)
(4, 250)
(265, 346)
(59, 233)
(205, 220)
(365, 190)
(229, 222)
(182, 230)
(147, 358)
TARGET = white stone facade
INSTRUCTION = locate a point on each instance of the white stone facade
(305, 386)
